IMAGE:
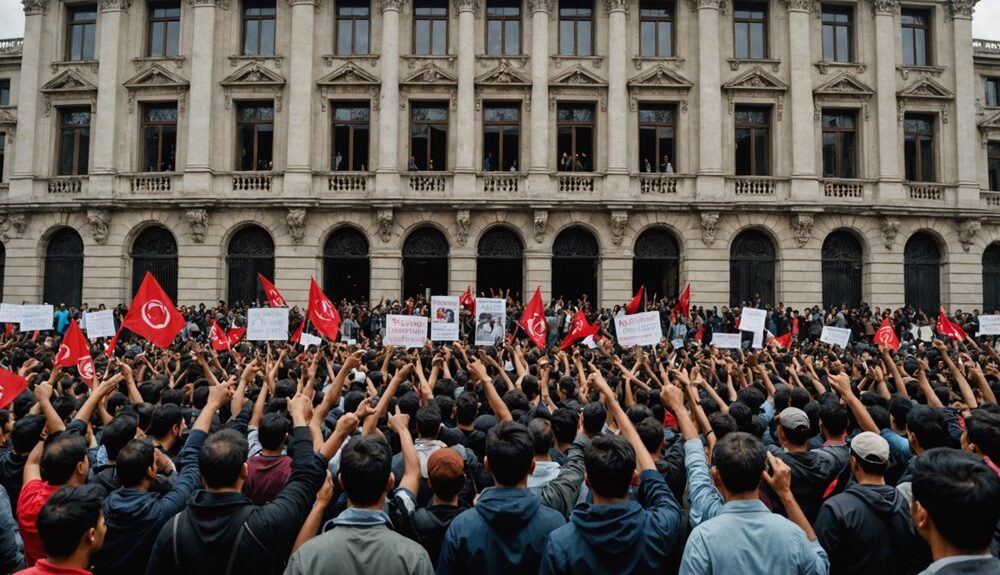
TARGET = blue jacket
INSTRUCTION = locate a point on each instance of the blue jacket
(504, 533)
(622, 538)
(11, 556)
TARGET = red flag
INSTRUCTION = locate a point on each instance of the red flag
(74, 350)
(11, 385)
(700, 334)
(784, 341)
(886, 335)
(795, 326)
(217, 337)
(152, 315)
(234, 335)
(8, 330)
(946, 327)
(298, 332)
(274, 298)
(533, 319)
(683, 306)
(467, 300)
(579, 329)
(636, 304)
(322, 313)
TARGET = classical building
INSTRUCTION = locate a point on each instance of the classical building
(803, 151)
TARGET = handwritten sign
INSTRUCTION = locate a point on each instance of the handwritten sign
(491, 321)
(638, 329)
(307, 339)
(36, 317)
(100, 323)
(444, 318)
(405, 330)
(835, 336)
(267, 324)
(727, 340)
(752, 319)
(10, 313)
(988, 324)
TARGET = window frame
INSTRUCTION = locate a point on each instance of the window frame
(928, 29)
(71, 23)
(754, 127)
(3, 156)
(573, 124)
(995, 83)
(349, 156)
(504, 20)
(766, 21)
(152, 20)
(159, 126)
(77, 129)
(839, 143)
(5, 89)
(443, 105)
(256, 134)
(576, 19)
(354, 20)
(993, 154)
(656, 20)
(503, 124)
(431, 18)
(933, 133)
(842, 10)
(657, 125)
(259, 18)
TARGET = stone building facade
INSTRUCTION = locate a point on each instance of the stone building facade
(797, 151)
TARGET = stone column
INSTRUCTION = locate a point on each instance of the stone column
(387, 180)
(298, 176)
(466, 124)
(539, 85)
(709, 101)
(105, 137)
(197, 171)
(967, 148)
(617, 88)
(22, 175)
(889, 188)
(804, 185)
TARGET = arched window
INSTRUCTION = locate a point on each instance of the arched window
(922, 273)
(155, 251)
(251, 252)
(574, 265)
(63, 281)
(655, 263)
(425, 263)
(751, 269)
(991, 278)
(842, 267)
(346, 269)
(500, 262)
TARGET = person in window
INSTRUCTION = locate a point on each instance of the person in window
(666, 167)
(646, 166)
(513, 166)
(430, 165)
(564, 163)
(488, 162)
(413, 165)
(337, 159)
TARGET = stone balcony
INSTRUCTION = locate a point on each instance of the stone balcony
(152, 183)
(349, 182)
(420, 183)
(846, 190)
(757, 188)
(66, 185)
(500, 183)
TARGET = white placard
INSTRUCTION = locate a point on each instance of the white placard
(835, 336)
(727, 340)
(926, 333)
(677, 343)
(638, 329)
(405, 330)
(444, 318)
(36, 317)
(752, 319)
(10, 313)
(988, 324)
(267, 324)
(758, 340)
(100, 323)
(491, 321)
(307, 339)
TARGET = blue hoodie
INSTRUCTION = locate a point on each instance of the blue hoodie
(504, 533)
(622, 538)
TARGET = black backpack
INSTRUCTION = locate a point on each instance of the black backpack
(234, 543)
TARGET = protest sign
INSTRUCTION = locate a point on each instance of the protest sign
(307, 339)
(99, 323)
(267, 324)
(752, 319)
(405, 330)
(36, 317)
(988, 324)
(10, 313)
(444, 318)
(638, 329)
(835, 336)
(758, 340)
(727, 340)
(491, 321)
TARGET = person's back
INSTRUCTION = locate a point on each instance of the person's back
(812, 470)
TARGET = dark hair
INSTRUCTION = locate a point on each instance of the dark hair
(796, 436)
(118, 433)
(365, 466)
(509, 448)
(594, 417)
(834, 417)
(67, 515)
(610, 462)
(638, 412)
(466, 407)
(568, 386)
(740, 458)
(516, 401)
(529, 385)
(222, 457)
(799, 397)
(870, 467)
(443, 386)
(564, 424)
(880, 416)
(961, 494)
(64, 406)
(722, 424)
(133, 461)
(274, 427)
(542, 436)
(173, 396)
(983, 429)
(651, 433)
(61, 455)
(753, 397)
(429, 421)
(899, 409)
(353, 399)
(26, 432)
(165, 417)
(928, 426)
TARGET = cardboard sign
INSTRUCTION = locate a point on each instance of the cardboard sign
(307, 339)
(752, 319)
(405, 330)
(638, 329)
(444, 318)
(267, 324)
(10, 313)
(37, 317)
(988, 324)
(758, 340)
(99, 323)
(727, 340)
(491, 321)
(835, 336)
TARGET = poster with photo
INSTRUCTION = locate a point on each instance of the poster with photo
(444, 318)
(491, 321)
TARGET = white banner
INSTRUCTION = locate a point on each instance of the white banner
(638, 329)
(405, 330)
(267, 323)
(727, 340)
(307, 339)
(444, 318)
(758, 340)
(491, 321)
(752, 319)
(36, 317)
(988, 324)
(10, 313)
(99, 323)
(835, 336)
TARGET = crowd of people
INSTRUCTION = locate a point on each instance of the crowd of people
(354, 457)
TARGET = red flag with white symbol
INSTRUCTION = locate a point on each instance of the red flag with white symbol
(784, 341)
(274, 298)
(11, 385)
(579, 329)
(949, 328)
(683, 306)
(235, 335)
(152, 315)
(886, 335)
(636, 304)
(533, 319)
(217, 337)
(74, 350)
(467, 300)
(322, 313)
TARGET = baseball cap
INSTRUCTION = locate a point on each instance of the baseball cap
(871, 447)
(793, 418)
(445, 464)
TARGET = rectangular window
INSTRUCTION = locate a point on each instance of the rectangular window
(753, 141)
(4, 92)
(992, 91)
(575, 139)
(919, 134)
(993, 165)
(81, 33)
(428, 136)
(3, 150)
(840, 156)
(503, 27)
(164, 29)
(258, 27)
(656, 138)
(576, 28)
(750, 31)
(254, 136)
(838, 24)
(501, 136)
(159, 135)
(430, 27)
(656, 29)
(353, 18)
(916, 29)
(74, 142)
(350, 136)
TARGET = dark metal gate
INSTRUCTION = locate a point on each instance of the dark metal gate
(842, 270)
(991, 278)
(751, 269)
(346, 268)
(655, 264)
(155, 251)
(63, 282)
(922, 273)
(574, 266)
(251, 252)
(425, 263)
(500, 262)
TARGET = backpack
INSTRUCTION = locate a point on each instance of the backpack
(244, 519)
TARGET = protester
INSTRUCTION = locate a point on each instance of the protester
(71, 527)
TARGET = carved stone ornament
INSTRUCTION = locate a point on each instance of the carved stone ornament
(619, 219)
(296, 219)
(885, 7)
(803, 5)
(541, 223)
(198, 220)
(890, 229)
(959, 9)
(713, 4)
(384, 217)
(19, 222)
(616, 5)
(386, 5)
(709, 227)
(462, 227)
(539, 6)
(113, 5)
(967, 230)
(802, 225)
(467, 5)
(100, 221)
(32, 7)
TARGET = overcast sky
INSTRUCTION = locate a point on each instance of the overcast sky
(985, 25)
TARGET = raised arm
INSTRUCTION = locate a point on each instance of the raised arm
(841, 383)
(643, 461)
(897, 375)
(500, 410)
(400, 423)
(968, 397)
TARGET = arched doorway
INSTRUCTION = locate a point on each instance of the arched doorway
(346, 270)
(251, 252)
(155, 251)
(922, 273)
(63, 282)
(500, 262)
(425, 263)
(751, 269)
(655, 263)
(842, 270)
(991, 278)
(574, 265)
